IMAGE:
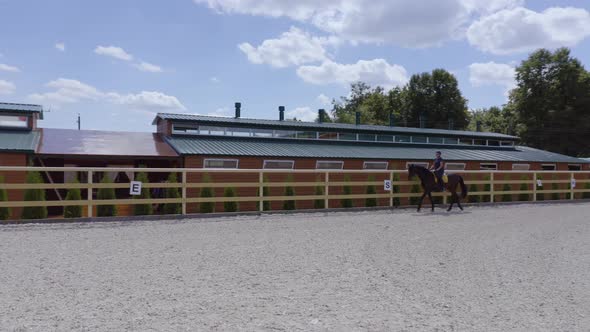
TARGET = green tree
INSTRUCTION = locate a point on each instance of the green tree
(319, 203)
(76, 210)
(371, 190)
(230, 206)
(494, 119)
(289, 191)
(143, 209)
(4, 211)
(36, 195)
(206, 192)
(551, 102)
(523, 197)
(106, 194)
(172, 208)
(346, 190)
(437, 97)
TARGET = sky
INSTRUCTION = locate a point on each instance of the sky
(117, 63)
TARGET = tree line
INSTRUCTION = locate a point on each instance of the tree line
(548, 109)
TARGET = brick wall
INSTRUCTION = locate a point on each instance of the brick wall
(14, 159)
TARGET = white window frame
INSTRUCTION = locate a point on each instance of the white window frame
(488, 169)
(278, 161)
(552, 165)
(419, 163)
(376, 162)
(223, 160)
(576, 165)
(461, 168)
(528, 167)
(317, 163)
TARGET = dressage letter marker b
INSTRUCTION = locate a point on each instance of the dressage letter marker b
(135, 188)
(387, 185)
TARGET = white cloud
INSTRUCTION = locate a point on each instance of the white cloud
(60, 46)
(374, 72)
(113, 51)
(324, 100)
(148, 67)
(302, 113)
(7, 88)
(492, 73)
(223, 112)
(69, 91)
(215, 80)
(294, 47)
(148, 100)
(412, 23)
(523, 30)
(5, 67)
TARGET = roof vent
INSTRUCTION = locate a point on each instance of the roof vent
(238, 110)
(358, 118)
(281, 113)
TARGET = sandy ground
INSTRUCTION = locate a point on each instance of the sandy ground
(488, 269)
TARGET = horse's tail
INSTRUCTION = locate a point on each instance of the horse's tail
(463, 188)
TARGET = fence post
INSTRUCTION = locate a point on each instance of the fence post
(89, 194)
(391, 189)
(534, 186)
(571, 187)
(261, 191)
(327, 190)
(184, 192)
(491, 187)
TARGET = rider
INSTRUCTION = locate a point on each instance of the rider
(438, 167)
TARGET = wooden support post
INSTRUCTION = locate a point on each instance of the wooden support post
(391, 190)
(261, 191)
(492, 187)
(89, 194)
(572, 187)
(534, 186)
(183, 192)
(327, 190)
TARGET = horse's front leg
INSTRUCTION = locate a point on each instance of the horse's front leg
(420, 203)
(431, 201)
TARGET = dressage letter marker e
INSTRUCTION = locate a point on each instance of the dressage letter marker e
(135, 188)
(387, 185)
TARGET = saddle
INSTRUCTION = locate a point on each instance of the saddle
(445, 179)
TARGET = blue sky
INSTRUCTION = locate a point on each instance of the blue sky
(117, 63)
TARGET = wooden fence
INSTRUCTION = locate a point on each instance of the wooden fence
(492, 186)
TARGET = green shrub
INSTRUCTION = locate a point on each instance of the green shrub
(319, 203)
(143, 209)
(416, 188)
(555, 186)
(230, 206)
(586, 195)
(289, 191)
(76, 210)
(206, 192)
(569, 194)
(4, 211)
(540, 196)
(523, 197)
(473, 198)
(507, 187)
(37, 195)
(265, 193)
(346, 190)
(172, 208)
(395, 189)
(106, 193)
(371, 190)
(487, 187)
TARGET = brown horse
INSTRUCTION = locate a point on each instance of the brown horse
(429, 185)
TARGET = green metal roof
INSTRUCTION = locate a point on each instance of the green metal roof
(13, 108)
(24, 141)
(211, 146)
(225, 121)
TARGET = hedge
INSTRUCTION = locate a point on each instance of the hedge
(34, 212)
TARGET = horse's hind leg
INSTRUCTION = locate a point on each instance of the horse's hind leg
(420, 203)
(459, 203)
(453, 196)
(431, 201)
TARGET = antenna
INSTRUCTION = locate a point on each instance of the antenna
(78, 121)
